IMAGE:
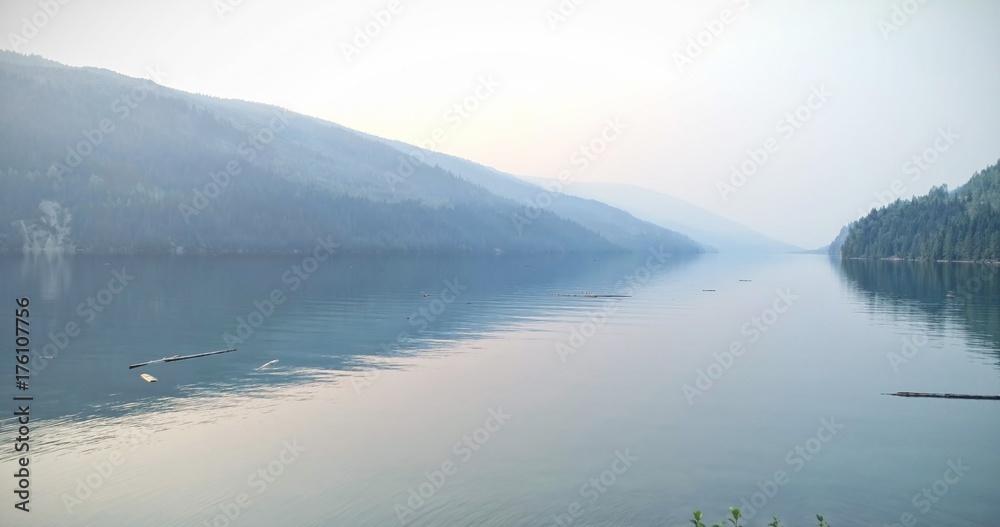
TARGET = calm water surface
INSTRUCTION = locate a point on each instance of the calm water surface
(465, 392)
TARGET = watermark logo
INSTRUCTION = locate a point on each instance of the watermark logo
(595, 487)
(366, 33)
(901, 14)
(796, 458)
(924, 500)
(562, 12)
(754, 329)
(787, 126)
(914, 167)
(419, 495)
(581, 158)
(700, 42)
(456, 115)
(32, 26)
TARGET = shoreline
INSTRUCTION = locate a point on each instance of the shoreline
(898, 259)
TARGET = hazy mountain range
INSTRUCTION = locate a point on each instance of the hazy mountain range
(678, 215)
(95, 161)
(618, 225)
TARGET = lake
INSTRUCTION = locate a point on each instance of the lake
(436, 391)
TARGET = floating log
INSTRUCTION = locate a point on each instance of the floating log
(266, 364)
(945, 395)
(178, 357)
(591, 295)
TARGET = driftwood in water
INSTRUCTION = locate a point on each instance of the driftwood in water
(176, 358)
(945, 395)
(591, 295)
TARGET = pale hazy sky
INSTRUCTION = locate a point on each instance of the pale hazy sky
(896, 77)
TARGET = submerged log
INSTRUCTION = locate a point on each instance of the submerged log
(945, 395)
(591, 295)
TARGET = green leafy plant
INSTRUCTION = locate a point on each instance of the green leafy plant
(733, 520)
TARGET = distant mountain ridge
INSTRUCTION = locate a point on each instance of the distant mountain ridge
(678, 215)
(963, 224)
(614, 224)
(95, 161)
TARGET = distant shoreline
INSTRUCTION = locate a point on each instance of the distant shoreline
(899, 259)
(341, 252)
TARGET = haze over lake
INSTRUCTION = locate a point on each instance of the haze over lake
(527, 263)
(498, 402)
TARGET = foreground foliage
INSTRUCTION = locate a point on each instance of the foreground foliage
(734, 520)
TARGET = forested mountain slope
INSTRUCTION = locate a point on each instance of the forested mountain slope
(960, 225)
(94, 161)
(613, 224)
